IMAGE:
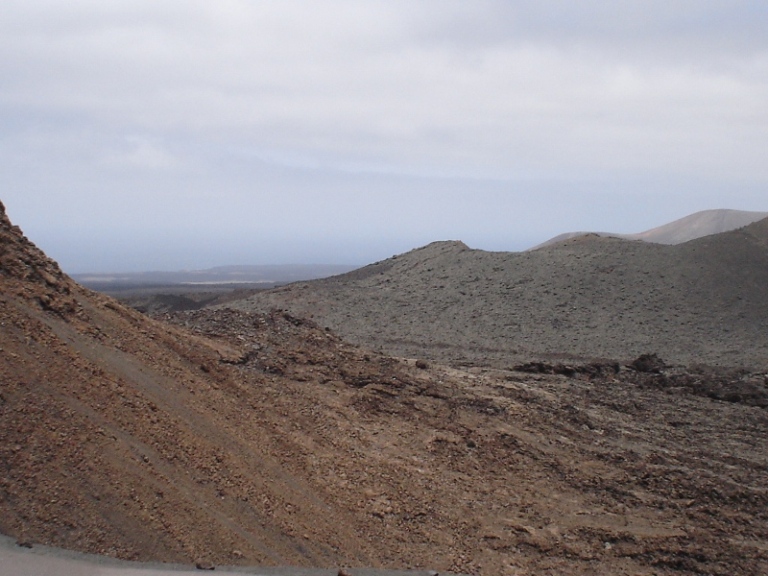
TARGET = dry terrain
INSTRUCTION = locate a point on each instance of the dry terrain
(701, 302)
(229, 437)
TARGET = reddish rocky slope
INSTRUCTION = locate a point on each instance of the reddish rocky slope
(126, 437)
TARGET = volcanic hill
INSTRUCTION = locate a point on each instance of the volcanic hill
(704, 301)
(221, 437)
(697, 225)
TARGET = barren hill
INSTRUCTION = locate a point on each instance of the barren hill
(225, 437)
(704, 301)
(690, 227)
(125, 437)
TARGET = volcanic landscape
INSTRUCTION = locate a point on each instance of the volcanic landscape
(596, 406)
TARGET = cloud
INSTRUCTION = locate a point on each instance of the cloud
(140, 153)
(548, 86)
(175, 96)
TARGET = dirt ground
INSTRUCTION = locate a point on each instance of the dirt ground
(228, 438)
(570, 469)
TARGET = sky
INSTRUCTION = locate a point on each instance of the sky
(184, 134)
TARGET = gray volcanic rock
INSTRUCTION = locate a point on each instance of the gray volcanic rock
(704, 301)
(694, 226)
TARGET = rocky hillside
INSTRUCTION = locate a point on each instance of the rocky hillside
(125, 437)
(703, 301)
(225, 437)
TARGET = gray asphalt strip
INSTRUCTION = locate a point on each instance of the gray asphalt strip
(16, 560)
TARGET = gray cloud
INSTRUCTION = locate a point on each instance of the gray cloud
(144, 119)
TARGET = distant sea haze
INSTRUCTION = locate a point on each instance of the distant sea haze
(220, 275)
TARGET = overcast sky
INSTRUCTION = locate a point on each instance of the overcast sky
(141, 135)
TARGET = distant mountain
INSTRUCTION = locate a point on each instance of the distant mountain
(688, 228)
(701, 301)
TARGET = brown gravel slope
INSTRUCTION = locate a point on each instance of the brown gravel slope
(704, 301)
(236, 438)
(126, 437)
